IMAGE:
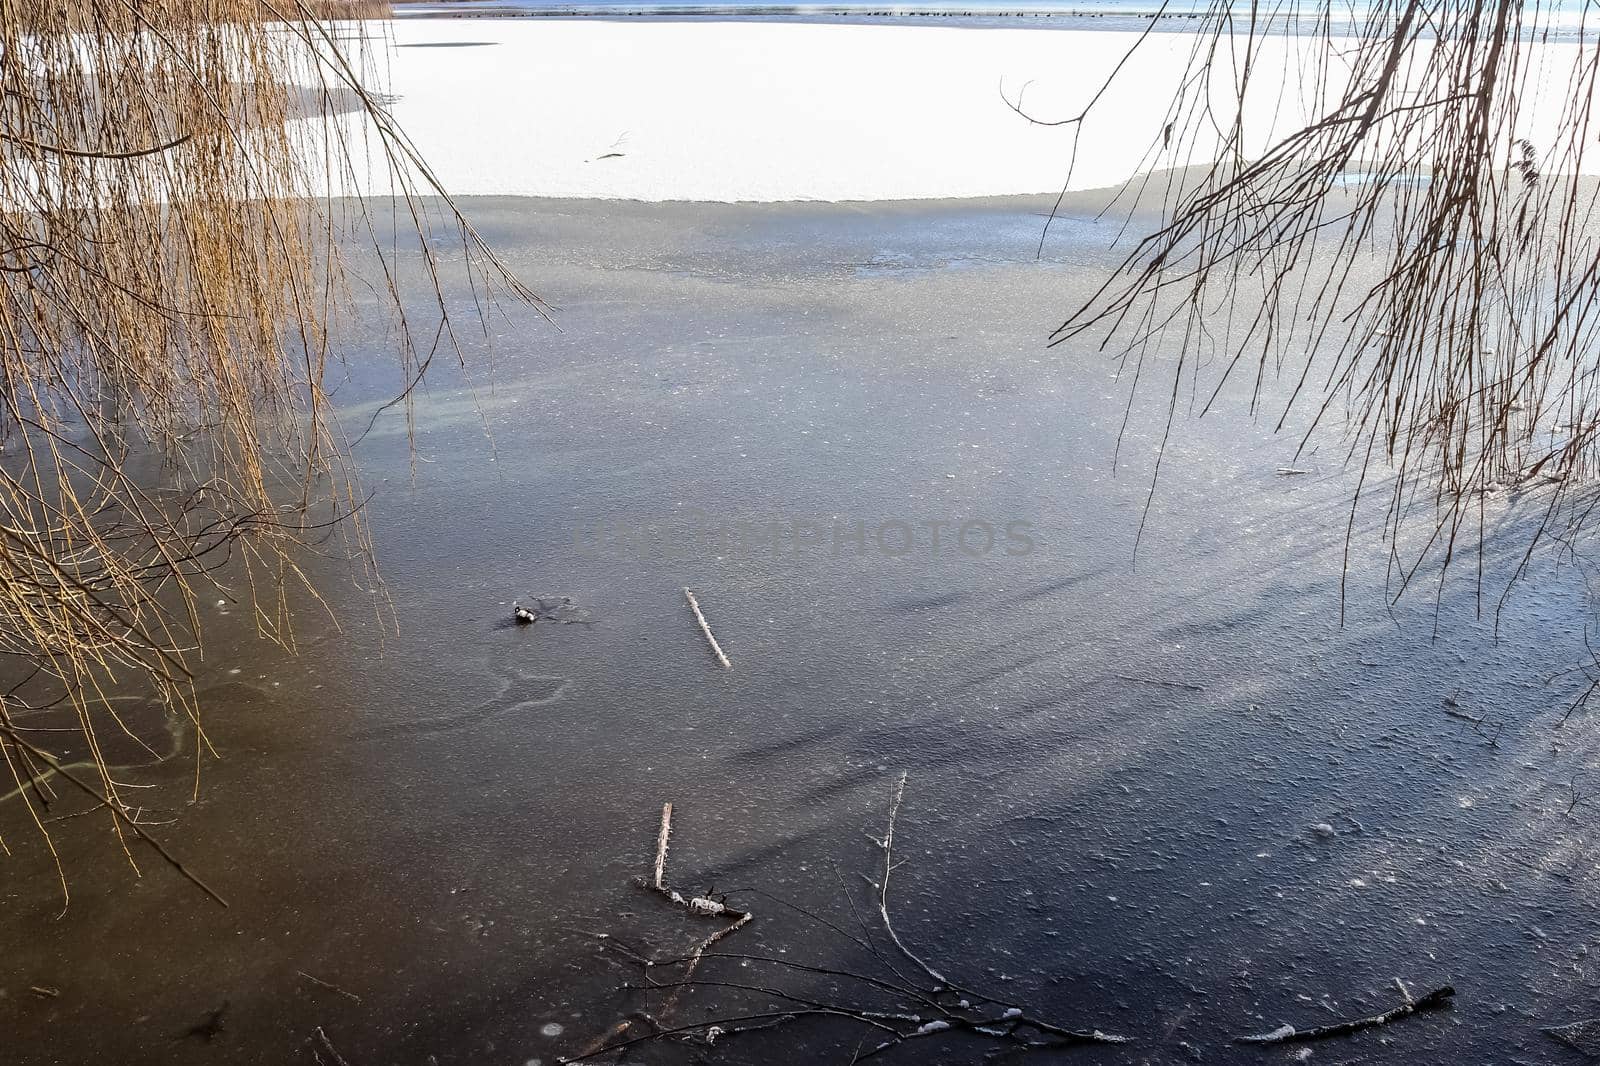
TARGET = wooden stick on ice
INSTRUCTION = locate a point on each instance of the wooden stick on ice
(1288, 1034)
(706, 629)
(661, 847)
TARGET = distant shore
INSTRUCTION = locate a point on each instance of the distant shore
(751, 110)
(761, 111)
(1134, 15)
(956, 15)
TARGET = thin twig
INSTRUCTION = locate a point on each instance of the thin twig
(80, 153)
(1288, 1034)
(327, 1045)
(895, 798)
(55, 764)
(1159, 681)
(706, 629)
(329, 987)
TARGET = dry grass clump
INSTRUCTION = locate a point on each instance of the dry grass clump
(168, 272)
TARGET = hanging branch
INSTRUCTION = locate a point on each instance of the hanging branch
(1353, 205)
(120, 815)
(172, 267)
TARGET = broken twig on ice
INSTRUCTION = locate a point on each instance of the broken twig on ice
(919, 1011)
(706, 629)
(327, 1045)
(1582, 1036)
(330, 987)
(703, 906)
(1288, 1034)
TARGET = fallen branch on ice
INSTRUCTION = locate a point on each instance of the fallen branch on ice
(700, 906)
(916, 1010)
(1582, 1036)
(1288, 1034)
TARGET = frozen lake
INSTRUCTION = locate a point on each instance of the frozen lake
(1175, 800)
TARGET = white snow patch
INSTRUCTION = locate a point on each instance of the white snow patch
(759, 111)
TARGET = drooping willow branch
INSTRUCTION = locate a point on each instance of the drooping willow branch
(1415, 256)
(173, 266)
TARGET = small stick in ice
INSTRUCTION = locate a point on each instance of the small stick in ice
(330, 987)
(1136, 679)
(661, 845)
(327, 1045)
(706, 629)
(704, 906)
